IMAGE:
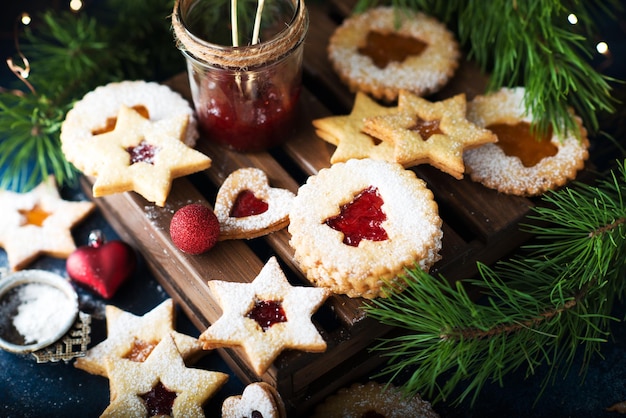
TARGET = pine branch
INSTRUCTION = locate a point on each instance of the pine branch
(69, 56)
(530, 43)
(537, 309)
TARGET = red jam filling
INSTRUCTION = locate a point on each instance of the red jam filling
(35, 216)
(247, 204)
(143, 152)
(384, 48)
(426, 128)
(267, 313)
(361, 219)
(140, 350)
(518, 140)
(159, 401)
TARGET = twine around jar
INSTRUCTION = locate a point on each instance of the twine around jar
(242, 57)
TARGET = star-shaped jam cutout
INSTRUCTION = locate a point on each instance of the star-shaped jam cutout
(39, 222)
(143, 156)
(161, 384)
(434, 133)
(262, 344)
(346, 132)
(134, 338)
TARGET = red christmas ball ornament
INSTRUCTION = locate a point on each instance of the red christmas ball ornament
(100, 265)
(194, 229)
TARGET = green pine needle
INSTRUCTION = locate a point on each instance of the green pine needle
(530, 43)
(537, 309)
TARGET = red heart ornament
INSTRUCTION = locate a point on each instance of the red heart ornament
(102, 266)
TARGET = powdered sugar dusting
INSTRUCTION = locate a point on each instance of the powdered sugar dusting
(421, 74)
(279, 204)
(489, 164)
(412, 225)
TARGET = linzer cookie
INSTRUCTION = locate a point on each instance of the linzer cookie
(247, 207)
(521, 162)
(265, 317)
(39, 222)
(359, 224)
(373, 400)
(385, 50)
(132, 337)
(140, 155)
(97, 112)
(435, 133)
(258, 399)
(160, 386)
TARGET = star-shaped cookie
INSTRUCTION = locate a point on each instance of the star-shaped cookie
(346, 132)
(136, 387)
(142, 156)
(132, 336)
(429, 132)
(269, 296)
(38, 222)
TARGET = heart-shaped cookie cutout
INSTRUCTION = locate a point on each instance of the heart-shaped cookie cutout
(102, 266)
(257, 399)
(247, 207)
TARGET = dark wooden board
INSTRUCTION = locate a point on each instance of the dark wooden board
(479, 225)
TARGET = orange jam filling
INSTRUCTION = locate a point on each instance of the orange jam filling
(519, 141)
(384, 48)
(110, 122)
(35, 216)
(426, 128)
(140, 350)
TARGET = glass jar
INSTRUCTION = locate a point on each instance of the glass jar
(245, 88)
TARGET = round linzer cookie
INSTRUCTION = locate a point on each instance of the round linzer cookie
(360, 223)
(373, 400)
(97, 111)
(521, 162)
(385, 50)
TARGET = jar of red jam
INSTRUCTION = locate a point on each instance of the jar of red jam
(245, 68)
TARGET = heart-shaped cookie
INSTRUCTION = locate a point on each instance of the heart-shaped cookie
(247, 207)
(101, 266)
(259, 397)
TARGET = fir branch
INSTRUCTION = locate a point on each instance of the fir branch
(530, 43)
(70, 55)
(538, 309)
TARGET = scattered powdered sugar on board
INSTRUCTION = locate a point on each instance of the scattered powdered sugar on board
(43, 311)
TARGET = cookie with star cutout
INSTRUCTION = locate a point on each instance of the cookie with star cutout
(424, 132)
(132, 337)
(162, 385)
(39, 223)
(140, 155)
(382, 51)
(265, 317)
(356, 226)
(247, 207)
